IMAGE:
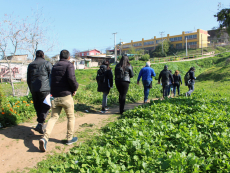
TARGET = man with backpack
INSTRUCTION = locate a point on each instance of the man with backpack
(190, 80)
(165, 75)
(105, 82)
(146, 73)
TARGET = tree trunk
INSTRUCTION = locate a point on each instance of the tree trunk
(11, 80)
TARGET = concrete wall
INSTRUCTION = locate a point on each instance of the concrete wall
(19, 71)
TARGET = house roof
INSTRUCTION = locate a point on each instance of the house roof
(89, 50)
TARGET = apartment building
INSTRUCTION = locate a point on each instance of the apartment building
(195, 39)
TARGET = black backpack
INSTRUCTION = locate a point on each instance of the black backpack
(101, 74)
(187, 79)
(119, 72)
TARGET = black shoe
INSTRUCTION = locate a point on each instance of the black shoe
(39, 129)
(42, 144)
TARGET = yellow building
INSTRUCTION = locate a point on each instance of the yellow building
(195, 39)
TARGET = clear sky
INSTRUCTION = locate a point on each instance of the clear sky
(89, 24)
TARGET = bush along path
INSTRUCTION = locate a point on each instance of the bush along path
(19, 144)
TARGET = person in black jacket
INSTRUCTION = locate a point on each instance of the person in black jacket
(123, 73)
(105, 82)
(177, 81)
(38, 74)
(165, 75)
(63, 88)
(191, 82)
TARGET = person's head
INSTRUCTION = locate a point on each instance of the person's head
(166, 67)
(176, 73)
(106, 63)
(64, 54)
(147, 64)
(39, 53)
(192, 69)
(124, 62)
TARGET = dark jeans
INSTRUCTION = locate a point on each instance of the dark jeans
(146, 84)
(165, 90)
(41, 108)
(176, 86)
(191, 89)
(122, 88)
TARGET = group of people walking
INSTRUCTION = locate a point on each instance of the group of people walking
(123, 73)
(59, 81)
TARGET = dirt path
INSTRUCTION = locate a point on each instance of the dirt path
(19, 144)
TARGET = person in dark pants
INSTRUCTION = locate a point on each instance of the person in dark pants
(146, 73)
(177, 81)
(165, 75)
(191, 81)
(105, 82)
(123, 73)
(38, 74)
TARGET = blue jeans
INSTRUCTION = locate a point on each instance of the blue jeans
(176, 86)
(170, 88)
(146, 84)
(104, 100)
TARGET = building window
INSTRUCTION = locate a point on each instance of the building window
(137, 44)
(189, 37)
(158, 41)
(87, 53)
(191, 44)
(82, 54)
(149, 43)
(179, 46)
(126, 46)
(175, 39)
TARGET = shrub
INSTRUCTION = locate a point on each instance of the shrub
(145, 57)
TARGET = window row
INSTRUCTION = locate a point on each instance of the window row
(190, 43)
(137, 44)
(149, 43)
(176, 39)
(191, 37)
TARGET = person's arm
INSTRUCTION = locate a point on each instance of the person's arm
(49, 71)
(171, 76)
(28, 76)
(131, 74)
(110, 77)
(72, 78)
(180, 79)
(159, 78)
(192, 75)
(139, 76)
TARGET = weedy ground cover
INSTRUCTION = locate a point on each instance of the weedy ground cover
(183, 134)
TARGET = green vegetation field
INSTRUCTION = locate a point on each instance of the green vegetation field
(182, 134)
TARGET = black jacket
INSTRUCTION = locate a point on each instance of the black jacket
(192, 76)
(63, 80)
(108, 82)
(38, 73)
(165, 75)
(177, 79)
(128, 73)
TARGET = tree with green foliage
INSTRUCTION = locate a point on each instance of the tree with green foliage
(145, 57)
(136, 52)
(223, 17)
(158, 51)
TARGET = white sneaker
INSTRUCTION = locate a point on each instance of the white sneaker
(106, 108)
(103, 112)
(74, 139)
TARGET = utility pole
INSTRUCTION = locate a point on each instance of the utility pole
(162, 33)
(120, 47)
(186, 47)
(115, 48)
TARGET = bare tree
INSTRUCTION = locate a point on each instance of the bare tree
(12, 37)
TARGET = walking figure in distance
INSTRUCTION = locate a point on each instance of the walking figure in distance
(123, 73)
(105, 82)
(191, 81)
(177, 81)
(63, 88)
(38, 74)
(165, 75)
(146, 73)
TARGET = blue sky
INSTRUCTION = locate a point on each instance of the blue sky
(89, 24)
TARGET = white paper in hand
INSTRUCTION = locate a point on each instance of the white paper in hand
(47, 100)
